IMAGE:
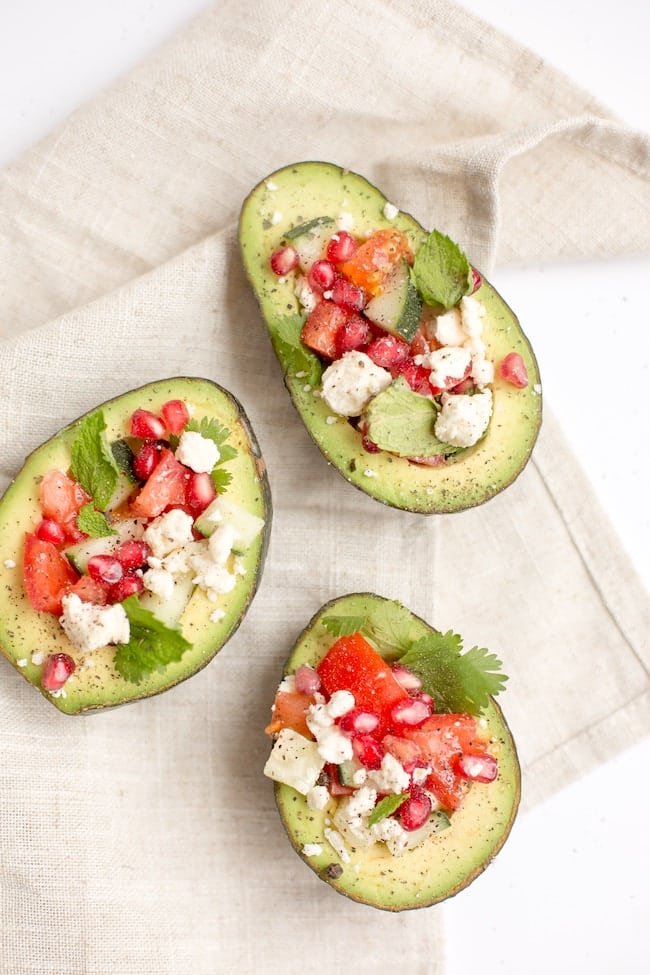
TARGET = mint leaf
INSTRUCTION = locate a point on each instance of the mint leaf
(93, 522)
(401, 421)
(386, 807)
(152, 645)
(294, 356)
(442, 272)
(93, 464)
(459, 683)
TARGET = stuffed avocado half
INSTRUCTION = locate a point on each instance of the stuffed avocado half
(395, 774)
(409, 371)
(133, 542)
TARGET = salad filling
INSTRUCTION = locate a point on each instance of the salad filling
(399, 335)
(388, 744)
(128, 533)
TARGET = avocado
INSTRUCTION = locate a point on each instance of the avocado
(449, 858)
(28, 636)
(313, 194)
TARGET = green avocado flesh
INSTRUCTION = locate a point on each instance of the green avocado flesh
(25, 632)
(306, 191)
(445, 862)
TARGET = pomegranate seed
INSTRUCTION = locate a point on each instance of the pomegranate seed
(464, 385)
(368, 751)
(477, 280)
(352, 334)
(147, 425)
(200, 491)
(417, 377)
(410, 711)
(388, 351)
(341, 247)
(513, 369)
(284, 260)
(105, 568)
(132, 554)
(415, 812)
(321, 276)
(50, 530)
(406, 678)
(478, 768)
(58, 667)
(307, 680)
(146, 459)
(175, 415)
(423, 696)
(370, 446)
(348, 295)
(131, 584)
(358, 722)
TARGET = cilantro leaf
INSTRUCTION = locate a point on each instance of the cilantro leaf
(211, 429)
(442, 272)
(402, 421)
(152, 645)
(296, 357)
(344, 625)
(93, 522)
(221, 478)
(93, 464)
(386, 807)
(459, 683)
(388, 628)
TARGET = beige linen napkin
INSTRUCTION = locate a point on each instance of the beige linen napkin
(144, 840)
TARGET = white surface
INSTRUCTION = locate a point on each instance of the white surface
(569, 889)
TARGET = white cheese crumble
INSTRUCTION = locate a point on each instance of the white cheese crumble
(463, 419)
(390, 211)
(448, 365)
(312, 850)
(38, 657)
(318, 797)
(90, 627)
(294, 761)
(391, 777)
(10, 564)
(197, 452)
(390, 832)
(337, 843)
(472, 313)
(345, 221)
(22, 662)
(168, 532)
(276, 217)
(350, 382)
(270, 185)
(448, 328)
(307, 298)
(160, 582)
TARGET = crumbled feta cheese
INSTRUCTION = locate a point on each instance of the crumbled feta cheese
(215, 579)
(38, 657)
(390, 211)
(345, 221)
(168, 532)
(463, 419)
(160, 582)
(22, 662)
(370, 473)
(197, 452)
(294, 761)
(307, 299)
(333, 745)
(340, 703)
(537, 388)
(390, 832)
(90, 627)
(276, 217)
(288, 684)
(10, 564)
(337, 843)
(448, 328)
(270, 185)
(312, 850)
(482, 371)
(217, 615)
(391, 777)
(318, 797)
(472, 313)
(448, 365)
(351, 381)
(221, 542)
(330, 420)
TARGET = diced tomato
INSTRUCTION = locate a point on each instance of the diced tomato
(416, 376)
(353, 334)
(352, 664)
(175, 414)
(406, 752)
(61, 498)
(461, 728)
(319, 331)
(373, 261)
(166, 487)
(442, 740)
(90, 591)
(47, 573)
(420, 344)
(335, 786)
(290, 711)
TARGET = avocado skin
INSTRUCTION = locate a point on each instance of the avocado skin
(447, 862)
(24, 631)
(307, 190)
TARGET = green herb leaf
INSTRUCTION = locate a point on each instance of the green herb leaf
(388, 629)
(93, 464)
(152, 645)
(386, 807)
(211, 429)
(401, 421)
(308, 227)
(296, 357)
(221, 479)
(442, 272)
(344, 625)
(459, 683)
(93, 522)
(123, 457)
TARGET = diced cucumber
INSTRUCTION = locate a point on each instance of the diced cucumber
(437, 822)
(123, 490)
(310, 239)
(222, 511)
(347, 770)
(294, 761)
(398, 308)
(79, 553)
(170, 610)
